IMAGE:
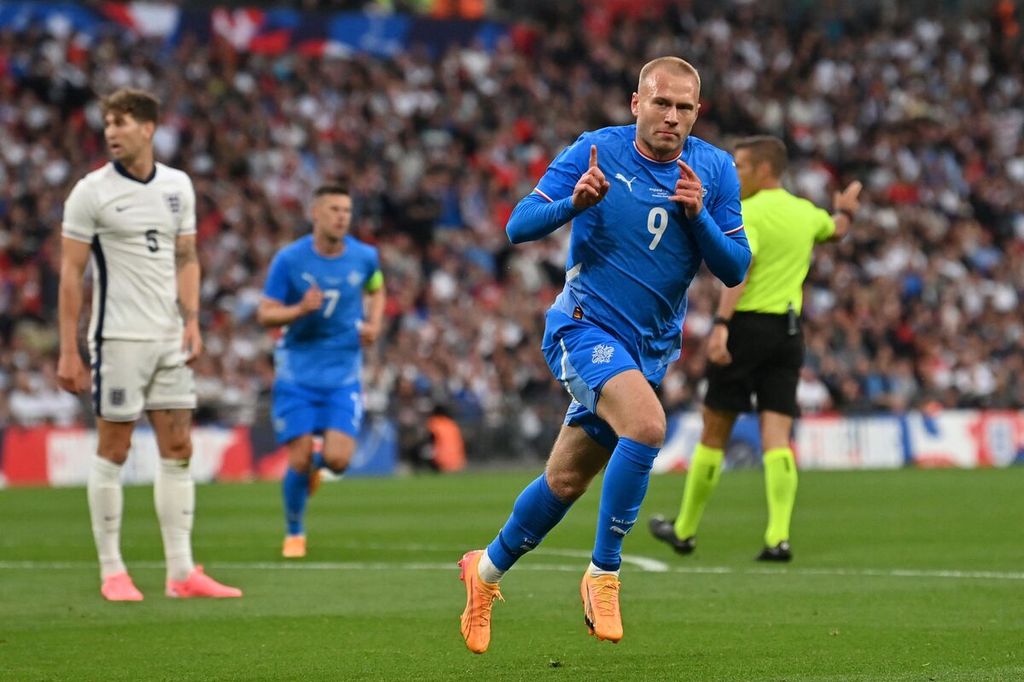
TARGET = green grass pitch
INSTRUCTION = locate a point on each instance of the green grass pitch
(901, 575)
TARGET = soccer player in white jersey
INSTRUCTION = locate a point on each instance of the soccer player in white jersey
(137, 219)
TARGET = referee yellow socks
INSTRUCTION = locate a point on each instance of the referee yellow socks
(780, 487)
(705, 470)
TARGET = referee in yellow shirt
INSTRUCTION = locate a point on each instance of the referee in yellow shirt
(756, 345)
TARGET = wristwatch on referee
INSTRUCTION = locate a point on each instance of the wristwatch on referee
(718, 319)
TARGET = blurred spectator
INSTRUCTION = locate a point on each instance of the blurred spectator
(36, 401)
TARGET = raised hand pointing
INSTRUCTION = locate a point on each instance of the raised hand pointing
(689, 191)
(592, 185)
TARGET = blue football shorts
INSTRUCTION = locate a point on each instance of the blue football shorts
(583, 357)
(298, 410)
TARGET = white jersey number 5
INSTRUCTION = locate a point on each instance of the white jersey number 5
(657, 221)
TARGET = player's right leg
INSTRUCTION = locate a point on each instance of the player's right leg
(295, 490)
(119, 373)
(575, 459)
(106, 504)
(294, 413)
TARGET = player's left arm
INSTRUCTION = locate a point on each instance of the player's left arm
(724, 247)
(374, 298)
(186, 263)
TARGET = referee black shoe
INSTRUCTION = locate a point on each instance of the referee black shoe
(664, 530)
(779, 552)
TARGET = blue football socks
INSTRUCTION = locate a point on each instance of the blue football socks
(295, 489)
(535, 512)
(625, 484)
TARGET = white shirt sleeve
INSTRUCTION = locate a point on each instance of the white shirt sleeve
(187, 225)
(80, 214)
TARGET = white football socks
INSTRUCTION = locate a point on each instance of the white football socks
(174, 494)
(106, 502)
(487, 571)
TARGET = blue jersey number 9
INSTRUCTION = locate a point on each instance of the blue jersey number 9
(657, 221)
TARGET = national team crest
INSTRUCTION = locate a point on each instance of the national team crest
(117, 397)
(173, 202)
(602, 354)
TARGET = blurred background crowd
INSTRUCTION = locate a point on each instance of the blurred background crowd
(920, 306)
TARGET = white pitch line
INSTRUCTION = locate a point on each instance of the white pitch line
(560, 568)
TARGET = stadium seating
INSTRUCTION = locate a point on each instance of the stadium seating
(919, 306)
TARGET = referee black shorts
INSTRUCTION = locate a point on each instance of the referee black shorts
(767, 352)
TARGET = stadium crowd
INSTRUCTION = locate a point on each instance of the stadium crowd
(919, 306)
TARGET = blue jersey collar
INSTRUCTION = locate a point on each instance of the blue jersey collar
(648, 159)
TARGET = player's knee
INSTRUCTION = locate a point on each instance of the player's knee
(646, 428)
(117, 455)
(337, 460)
(114, 449)
(300, 454)
(179, 449)
(566, 485)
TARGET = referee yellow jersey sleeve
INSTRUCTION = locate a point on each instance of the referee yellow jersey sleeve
(782, 230)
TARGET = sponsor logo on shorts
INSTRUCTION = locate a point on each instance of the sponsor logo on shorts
(117, 397)
(602, 354)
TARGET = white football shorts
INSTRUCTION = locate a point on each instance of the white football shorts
(131, 376)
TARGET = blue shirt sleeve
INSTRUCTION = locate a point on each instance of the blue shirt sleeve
(726, 255)
(549, 206)
(535, 217)
(721, 240)
(276, 286)
(564, 172)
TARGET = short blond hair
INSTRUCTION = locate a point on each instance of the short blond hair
(675, 63)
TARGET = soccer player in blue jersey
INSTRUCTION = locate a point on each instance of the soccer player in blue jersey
(648, 203)
(328, 291)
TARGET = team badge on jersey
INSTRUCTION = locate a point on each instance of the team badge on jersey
(173, 202)
(602, 354)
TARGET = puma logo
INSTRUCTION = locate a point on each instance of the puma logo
(629, 183)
